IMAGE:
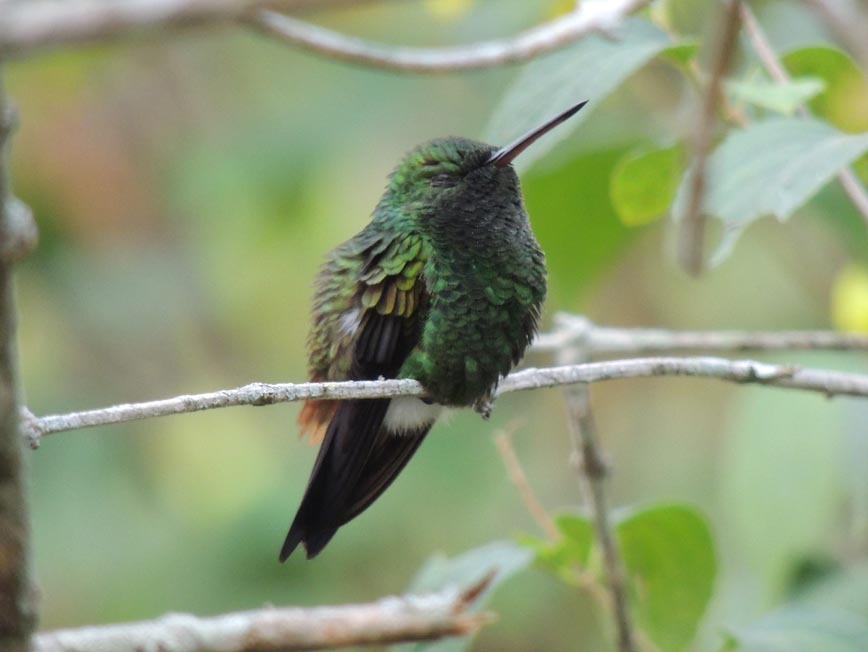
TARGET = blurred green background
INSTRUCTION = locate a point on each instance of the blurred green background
(186, 188)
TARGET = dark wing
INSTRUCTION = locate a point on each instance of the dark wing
(358, 459)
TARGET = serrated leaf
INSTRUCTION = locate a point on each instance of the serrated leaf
(802, 629)
(643, 185)
(669, 556)
(504, 558)
(844, 101)
(590, 69)
(782, 98)
(771, 168)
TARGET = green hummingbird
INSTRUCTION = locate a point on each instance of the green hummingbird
(444, 285)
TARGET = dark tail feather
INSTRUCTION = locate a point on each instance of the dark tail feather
(357, 462)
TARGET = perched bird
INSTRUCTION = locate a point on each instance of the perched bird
(444, 285)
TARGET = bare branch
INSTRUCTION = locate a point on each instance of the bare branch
(17, 603)
(27, 27)
(830, 383)
(692, 232)
(597, 340)
(281, 629)
(588, 18)
(854, 190)
(594, 471)
(851, 28)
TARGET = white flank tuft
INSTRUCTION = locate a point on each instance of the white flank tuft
(408, 414)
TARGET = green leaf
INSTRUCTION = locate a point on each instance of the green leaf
(669, 556)
(682, 52)
(844, 102)
(588, 70)
(578, 534)
(770, 168)
(643, 185)
(782, 98)
(802, 629)
(504, 558)
(575, 222)
(569, 553)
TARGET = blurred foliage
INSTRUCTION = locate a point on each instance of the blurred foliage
(669, 557)
(783, 98)
(643, 185)
(569, 554)
(850, 299)
(186, 188)
(493, 563)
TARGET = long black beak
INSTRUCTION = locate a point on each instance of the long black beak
(505, 155)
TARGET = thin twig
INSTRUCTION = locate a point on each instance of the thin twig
(851, 29)
(598, 341)
(273, 629)
(595, 470)
(848, 180)
(17, 598)
(692, 232)
(584, 577)
(829, 383)
(588, 18)
(518, 478)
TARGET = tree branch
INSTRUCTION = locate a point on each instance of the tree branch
(848, 180)
(281, 629)
(830, 383)
(851, 28)
(28, 27)
(17, 603)
(692, 232)
(588, 18)
(594, 470)
(604, 340)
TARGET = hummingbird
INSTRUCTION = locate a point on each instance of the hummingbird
(444, 285)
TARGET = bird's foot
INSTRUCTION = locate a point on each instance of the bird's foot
(484, 406)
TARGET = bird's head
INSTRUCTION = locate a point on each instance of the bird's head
(457, 171)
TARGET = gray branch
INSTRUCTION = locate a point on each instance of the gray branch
(830, 383)
(595, 471)
(32, 26)
(599, 341)
(27, 27)
(692, 231)
(281, 629)
(17, 603)
(588, 18)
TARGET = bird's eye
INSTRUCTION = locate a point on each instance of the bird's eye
(442, 180)
(430, 163)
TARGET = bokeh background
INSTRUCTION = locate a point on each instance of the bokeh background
(186, 188)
